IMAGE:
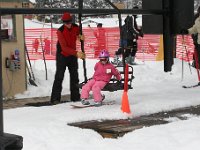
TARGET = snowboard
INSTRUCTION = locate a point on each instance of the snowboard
(80, 105)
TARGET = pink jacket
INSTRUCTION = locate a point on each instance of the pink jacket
(105, 72)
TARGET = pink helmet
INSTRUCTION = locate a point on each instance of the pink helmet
(104, 54)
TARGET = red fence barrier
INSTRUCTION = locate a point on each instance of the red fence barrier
(147, 46)
(184, 47)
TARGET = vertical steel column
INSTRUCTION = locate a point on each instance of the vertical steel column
(82, 42)
(51, 19)
(1, 87)
(167, 38)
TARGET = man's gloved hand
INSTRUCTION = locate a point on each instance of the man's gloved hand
(184, 31)
(141, 33)
(81, 37)
(80, 55)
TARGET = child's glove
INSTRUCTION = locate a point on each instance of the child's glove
(80, 55)
(119, 82)
(141, 34)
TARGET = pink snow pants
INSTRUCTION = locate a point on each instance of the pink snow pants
(96, 87)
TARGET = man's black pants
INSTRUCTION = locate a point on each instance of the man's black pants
(61, 63)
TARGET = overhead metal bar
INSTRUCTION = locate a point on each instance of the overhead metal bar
(94, 15)
(77, 11)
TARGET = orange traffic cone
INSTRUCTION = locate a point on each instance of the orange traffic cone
(125, 103)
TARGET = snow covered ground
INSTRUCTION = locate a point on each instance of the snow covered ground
(45, 128)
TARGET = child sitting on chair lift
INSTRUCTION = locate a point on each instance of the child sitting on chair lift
(104, 70)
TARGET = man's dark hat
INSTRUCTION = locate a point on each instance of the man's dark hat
(99, 25)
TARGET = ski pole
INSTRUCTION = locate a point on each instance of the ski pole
(43, 55)
(183, 42)
(182, 72)
(143, 56)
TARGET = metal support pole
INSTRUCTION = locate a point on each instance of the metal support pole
(82, 42)
(51, 44)
(51, 19)
(1, 94)
(167, 38)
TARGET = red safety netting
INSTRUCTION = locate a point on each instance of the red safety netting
(107, 38)
(36, 42)
(184, 47)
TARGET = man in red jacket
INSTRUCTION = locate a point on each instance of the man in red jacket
(100, 35)
(66, 56)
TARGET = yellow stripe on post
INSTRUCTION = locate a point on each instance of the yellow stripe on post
(160, 55)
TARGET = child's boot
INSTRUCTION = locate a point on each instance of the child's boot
(103, 97)
(85, 102)
(97, 104)
(130, 60)
(116, 59)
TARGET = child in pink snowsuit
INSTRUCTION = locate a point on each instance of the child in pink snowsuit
(104, 70)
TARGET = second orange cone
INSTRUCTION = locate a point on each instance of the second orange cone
(125, 103)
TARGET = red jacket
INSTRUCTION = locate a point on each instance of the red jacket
(67, 39)
(36, 43)
(47, 44)
(105, 72)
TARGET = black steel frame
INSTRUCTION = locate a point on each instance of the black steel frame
(166, 28)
